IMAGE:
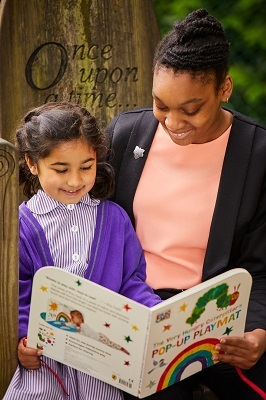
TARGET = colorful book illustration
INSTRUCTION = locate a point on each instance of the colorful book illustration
(138, 349)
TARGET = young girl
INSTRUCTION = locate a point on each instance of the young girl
(68, 222)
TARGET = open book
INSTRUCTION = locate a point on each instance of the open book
(138, 349)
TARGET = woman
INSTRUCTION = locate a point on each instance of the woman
(191, 175)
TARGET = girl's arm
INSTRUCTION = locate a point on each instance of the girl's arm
(134, 283)
(25, 287)
(117, 260)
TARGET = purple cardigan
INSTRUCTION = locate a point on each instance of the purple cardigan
(117, 261)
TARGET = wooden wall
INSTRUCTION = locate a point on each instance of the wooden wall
(95, 52)
(8, 263)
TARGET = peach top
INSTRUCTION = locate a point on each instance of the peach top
(173, 208)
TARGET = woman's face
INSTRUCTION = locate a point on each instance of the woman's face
(188, 109)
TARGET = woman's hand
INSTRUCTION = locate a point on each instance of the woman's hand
(242, 352)
(28, 357)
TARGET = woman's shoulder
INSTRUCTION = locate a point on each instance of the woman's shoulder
(136, 112)
(249, 122)
(127, 119)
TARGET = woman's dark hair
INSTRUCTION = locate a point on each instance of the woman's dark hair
(51, 124)
(197, 45)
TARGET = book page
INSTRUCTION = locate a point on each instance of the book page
(109, 343)
(185, 328)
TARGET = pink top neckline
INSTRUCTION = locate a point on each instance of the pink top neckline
(173, 208)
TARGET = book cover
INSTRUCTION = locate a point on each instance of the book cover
(138, 349)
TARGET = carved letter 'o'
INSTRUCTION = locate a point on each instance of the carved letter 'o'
(34, 58)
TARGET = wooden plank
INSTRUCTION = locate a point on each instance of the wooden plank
(95, 52)
(8, 263)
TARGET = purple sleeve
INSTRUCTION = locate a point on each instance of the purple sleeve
(33, 254)
(117, 260)
(25, 284)
(133, 284)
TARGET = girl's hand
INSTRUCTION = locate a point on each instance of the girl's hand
(242, 352)
(28, 357)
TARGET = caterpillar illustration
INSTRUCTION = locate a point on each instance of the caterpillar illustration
(223, 299)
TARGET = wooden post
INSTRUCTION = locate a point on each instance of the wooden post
(95, 52)
(8, 263)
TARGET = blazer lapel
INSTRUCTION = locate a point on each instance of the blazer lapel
(229, 197)
(131, 168)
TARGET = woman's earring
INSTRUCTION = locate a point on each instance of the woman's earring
(227, 99)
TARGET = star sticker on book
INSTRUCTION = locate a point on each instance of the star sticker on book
(43, 288)
(107, 325)
(183, 307)
(228, 331)
(127, 363)
(138, 152)
(167, 328)
(135, 328)
(127, 307)
(151, 384)
(128, 339)
(78, 283)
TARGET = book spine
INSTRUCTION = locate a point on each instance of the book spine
(144, 354)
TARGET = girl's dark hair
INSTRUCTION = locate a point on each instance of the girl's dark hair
(196, 45)
(51, 124)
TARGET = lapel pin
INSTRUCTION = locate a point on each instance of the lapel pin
(138, 152)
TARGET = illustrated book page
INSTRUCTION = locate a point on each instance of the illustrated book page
(138, 349)
(111, 323)
(185, 328)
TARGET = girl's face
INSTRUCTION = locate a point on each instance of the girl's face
(68, 173)
(188, 109)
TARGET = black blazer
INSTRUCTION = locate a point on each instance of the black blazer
(238, 229)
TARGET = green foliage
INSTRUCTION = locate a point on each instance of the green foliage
(244, 23)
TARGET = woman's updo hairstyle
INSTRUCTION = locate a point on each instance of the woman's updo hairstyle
(197, 45)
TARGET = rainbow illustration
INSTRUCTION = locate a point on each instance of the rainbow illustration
(63, 317)
(201, 351)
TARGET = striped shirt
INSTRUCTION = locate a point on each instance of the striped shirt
(69, 229)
